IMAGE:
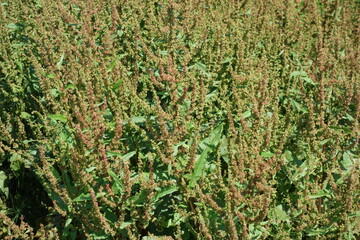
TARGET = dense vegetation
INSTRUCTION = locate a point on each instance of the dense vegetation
(179, 119)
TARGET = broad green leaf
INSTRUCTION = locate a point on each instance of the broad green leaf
(117, 84)
(211, 142)
(119, 185)
(210, 95)
(246, 114)
(298, 106)
(281, 214)
(298, 73)
(15, 162)
(3, 188)
(267, 154)
(345, 129)
(124, 157)
(138, 199)
(68, 183)
(349, 117)
(112, 64)
(164, 192)
(95, 236)
(13, 26)
(110, 154)
(25, 115)
(125, 224)
(227, 60)
(324, 141)
(176, 147)
(300, 172)
(320, 231)
(49, 75)
(58, 117)
(347, 161)
(224, 151)
(68, 221)
(309, 80)
(69, 86)
(55, 173)
(289, 156)
(138, 119)
(90, 169)
(82, 197)
(320, 194)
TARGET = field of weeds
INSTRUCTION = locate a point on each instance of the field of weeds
(179, 119)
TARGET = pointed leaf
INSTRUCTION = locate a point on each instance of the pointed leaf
(164, 192)
(210, 142)
(119, 185)
(267, 154)
(58, 117)
(59, 63)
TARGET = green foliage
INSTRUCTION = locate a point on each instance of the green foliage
(179, 120)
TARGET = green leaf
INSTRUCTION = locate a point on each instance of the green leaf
(125, 224)
(347, 161)
(309, 80)
(289, 156)
(71, 86)
(246, 114)
(320, 194)
(300, 172)
(298, 106)
(124, 157)
(82, 197)
(112, 64)
(210, 143)
(164, 192)
(15, 162)
(139, 199)
(95, 236)
(117, 85)
(90, 169)
(320, 231)
(176, 147)
(138, 119)
(281, 214)
(25, 115)
(323, 142)
(349, 117)
(119, 185)
(267, 154)
(13, 26)
(227, 60)
(58, 117)
(3, 187)
(298, 73)
(49, 75)
(224, 151)
(59, 63)
(68, 221)
(345, 129)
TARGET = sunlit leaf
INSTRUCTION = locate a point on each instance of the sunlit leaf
(267, 154)
(58, 117)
